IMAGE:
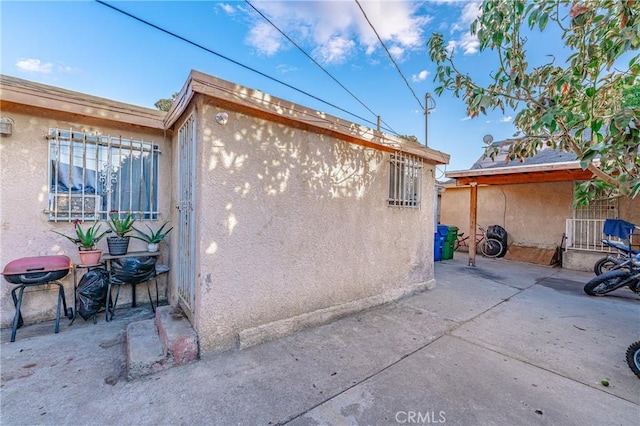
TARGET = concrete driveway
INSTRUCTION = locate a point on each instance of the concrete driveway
(504, 343)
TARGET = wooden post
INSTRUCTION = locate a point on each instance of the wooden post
(473, 209)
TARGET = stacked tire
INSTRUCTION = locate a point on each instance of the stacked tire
(497, 232)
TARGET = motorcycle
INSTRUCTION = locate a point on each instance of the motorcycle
(611, 262)
(633, 358)
(627, 274)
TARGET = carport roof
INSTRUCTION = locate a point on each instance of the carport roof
(554, 172)
(548, 165)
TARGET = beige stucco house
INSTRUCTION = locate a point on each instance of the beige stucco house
(533, 200)
(283, 216)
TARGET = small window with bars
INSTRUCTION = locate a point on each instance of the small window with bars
(405, 173)
(91, 176)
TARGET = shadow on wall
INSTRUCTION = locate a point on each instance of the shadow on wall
(267, 160)
(270, 179)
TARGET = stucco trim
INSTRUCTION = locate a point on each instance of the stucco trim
(262, 105)
(277, 329)
(23, 92)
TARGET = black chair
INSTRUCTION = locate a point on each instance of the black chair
(133, 270)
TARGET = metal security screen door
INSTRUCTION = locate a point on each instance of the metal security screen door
(186, 222)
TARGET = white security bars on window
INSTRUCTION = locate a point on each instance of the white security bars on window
(90, 176)
(405, 173)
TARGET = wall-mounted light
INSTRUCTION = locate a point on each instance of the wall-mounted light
(222, 117)
(6, 126)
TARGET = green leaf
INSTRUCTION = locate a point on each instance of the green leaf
(596, 125)
(586, 159)
(542, 23)
(533, 17)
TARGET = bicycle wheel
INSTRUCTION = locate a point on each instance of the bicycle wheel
(490, 247)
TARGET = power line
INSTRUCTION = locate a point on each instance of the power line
(390, 56)
(199, 46)
(316, 62)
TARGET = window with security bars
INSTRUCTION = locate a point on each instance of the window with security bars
(91, 176)
(405, 173)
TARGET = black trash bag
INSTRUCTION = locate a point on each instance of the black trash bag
(132, 270)
(499, 233)
(91, 294)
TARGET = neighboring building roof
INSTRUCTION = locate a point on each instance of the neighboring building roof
(548, 165)
(259, 104)
(544, 156)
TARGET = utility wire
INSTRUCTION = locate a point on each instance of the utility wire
(233, 61)
(316, 62)
(390, 56)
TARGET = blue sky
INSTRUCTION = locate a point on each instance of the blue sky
(88, 47)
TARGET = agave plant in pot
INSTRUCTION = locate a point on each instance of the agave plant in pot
(119, 244)
(86, 242)
(153, 238)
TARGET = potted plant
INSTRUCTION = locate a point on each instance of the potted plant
(86, 242)
(153, 238)
(119, 244)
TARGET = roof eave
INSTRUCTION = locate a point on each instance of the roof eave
(38, 95)
(551, 172)
(262, 105)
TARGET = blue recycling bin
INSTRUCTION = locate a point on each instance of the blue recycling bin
(438, 244)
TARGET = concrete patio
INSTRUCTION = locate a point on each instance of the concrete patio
(505, 343)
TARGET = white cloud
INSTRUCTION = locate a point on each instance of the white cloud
(335, 51)
(468, 43)
(421, 76)
(35, 65)
(465, 118)
(396, 52)
(451, 46)
(507, 119)
(469, 13)
(227, 8)
(283, 68)
(265, 38)
(333, 29)
(69, 70)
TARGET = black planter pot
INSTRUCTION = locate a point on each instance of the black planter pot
(118, 245)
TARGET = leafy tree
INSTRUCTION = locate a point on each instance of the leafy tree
(411, 138)
(164, 104)
(588, 105)
(632, 97)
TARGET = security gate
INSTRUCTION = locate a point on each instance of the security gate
(186, 216)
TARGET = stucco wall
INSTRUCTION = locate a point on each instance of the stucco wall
(532, 214)
(25, 228)
(294, 227)
(629, 210)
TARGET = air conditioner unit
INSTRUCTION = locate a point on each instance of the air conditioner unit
(76, 206)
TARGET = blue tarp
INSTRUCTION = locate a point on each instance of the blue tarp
(618, 228)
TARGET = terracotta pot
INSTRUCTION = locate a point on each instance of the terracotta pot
(90, 257)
